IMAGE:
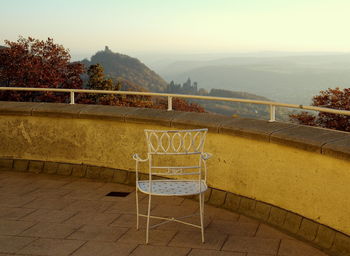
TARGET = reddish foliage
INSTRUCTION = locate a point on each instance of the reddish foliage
(42, 64)
(144, 102)
(331, 98)
(183, 105)
(180, 105)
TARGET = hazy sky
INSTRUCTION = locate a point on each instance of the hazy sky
(181, 26)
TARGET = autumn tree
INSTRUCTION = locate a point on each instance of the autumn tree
(331, 98)
(30, 62)
(97, 81)
(183, 105)
(179, 104)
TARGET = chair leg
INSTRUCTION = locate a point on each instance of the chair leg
(137, 210)
(201, 213)
(148, 217)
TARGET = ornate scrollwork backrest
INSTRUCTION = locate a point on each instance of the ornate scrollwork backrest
(175, 141)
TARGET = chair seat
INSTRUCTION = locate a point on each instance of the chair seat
(173, 187)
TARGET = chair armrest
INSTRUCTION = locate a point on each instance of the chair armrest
(136, 157)
(206, 156)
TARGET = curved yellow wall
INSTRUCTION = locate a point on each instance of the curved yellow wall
(311, 184)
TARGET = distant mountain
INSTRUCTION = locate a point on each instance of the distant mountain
(292, 79)
(122, 67)
(135, 76)
(2, 47)
(326, 61)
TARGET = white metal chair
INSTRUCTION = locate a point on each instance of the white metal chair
(179, 154)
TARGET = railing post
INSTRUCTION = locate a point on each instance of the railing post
(170, 103)
(272, 113)
(71, 97)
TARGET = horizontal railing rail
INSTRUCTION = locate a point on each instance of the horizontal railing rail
(272, 105)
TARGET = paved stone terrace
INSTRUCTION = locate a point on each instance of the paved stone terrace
(56, 215)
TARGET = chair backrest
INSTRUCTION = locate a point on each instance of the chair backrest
(174, 144)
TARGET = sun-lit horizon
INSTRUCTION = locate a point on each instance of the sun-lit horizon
(184, 27)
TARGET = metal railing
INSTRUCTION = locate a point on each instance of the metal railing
(272, 105)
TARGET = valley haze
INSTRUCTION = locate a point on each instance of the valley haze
(291, 77)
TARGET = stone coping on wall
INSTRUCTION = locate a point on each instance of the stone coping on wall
(324, 141)
(325, 238)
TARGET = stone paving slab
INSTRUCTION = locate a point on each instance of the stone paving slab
(102, 219)
(47, 215)
(144, 250)
(221, 214)
(252, 245)
(98, 233)
(127, 207)
(94, 248)
(233, 228)
(49, 193)
(265, 231)
(97, 206)
(11, 200)
(192, 239)
(8, 213)
(297, 248)
(54, 247)
(44, 214)
(14, 227)
(128, 220)
(157, 237)
(201, 252)
(50, 230)
(11, 244)
(48, 203)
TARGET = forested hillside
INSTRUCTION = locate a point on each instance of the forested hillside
(125, 68)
